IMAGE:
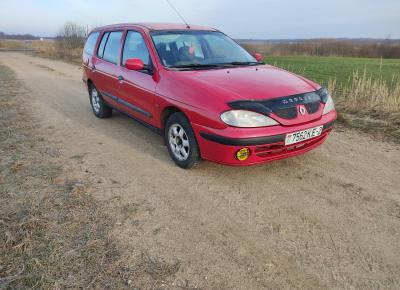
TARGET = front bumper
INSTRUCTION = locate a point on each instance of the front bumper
(265, 144)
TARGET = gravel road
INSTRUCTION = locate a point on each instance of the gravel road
(329, 219)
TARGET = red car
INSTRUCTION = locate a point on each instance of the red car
(204, 93)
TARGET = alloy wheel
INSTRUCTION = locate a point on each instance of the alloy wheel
(179, 142)
(95, 100)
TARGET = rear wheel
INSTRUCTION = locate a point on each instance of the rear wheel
(181, 142)
(99, 107)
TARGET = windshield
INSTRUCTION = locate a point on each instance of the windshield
(196, 49)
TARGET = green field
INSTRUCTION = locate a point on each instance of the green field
(369, 100)
(321, 69)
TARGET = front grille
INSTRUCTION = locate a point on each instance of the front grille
(280, 148)
(291, 112)
(312, 108)
(286, 113)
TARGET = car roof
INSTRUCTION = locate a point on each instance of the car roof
(155, 26)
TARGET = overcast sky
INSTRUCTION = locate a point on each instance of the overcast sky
(267, 19)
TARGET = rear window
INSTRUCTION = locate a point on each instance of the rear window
(112, 47)
(91, 43)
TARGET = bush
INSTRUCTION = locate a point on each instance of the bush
(70, 40)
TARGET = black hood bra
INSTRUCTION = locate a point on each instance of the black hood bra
(284, 107)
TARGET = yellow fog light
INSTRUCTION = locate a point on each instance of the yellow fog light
(243, 154)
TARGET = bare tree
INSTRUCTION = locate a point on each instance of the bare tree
(71, 39)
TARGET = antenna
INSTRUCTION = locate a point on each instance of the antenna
(177, 12)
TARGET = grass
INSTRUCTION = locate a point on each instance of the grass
(15, 44)
(47, 48)
(53, 233)
(50, 49)
(328, 47)
(366, 90)
(322, 69)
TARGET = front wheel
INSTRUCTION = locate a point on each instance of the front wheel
(181, 142)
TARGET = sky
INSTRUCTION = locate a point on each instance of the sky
(255, 19)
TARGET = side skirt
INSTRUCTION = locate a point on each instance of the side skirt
(128, 105)
(147, 125)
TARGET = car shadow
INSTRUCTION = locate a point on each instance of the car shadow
(160, 152)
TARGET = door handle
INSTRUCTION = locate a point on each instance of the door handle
(93, 68)
(121, 78)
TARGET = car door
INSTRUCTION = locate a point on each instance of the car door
(137, 88)
(107, 68)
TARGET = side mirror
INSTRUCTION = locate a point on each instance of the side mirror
(258, 57)
(134, 64)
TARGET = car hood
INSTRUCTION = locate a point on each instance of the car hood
(251, 83)
(211, 91)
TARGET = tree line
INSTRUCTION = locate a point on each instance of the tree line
(330, 47)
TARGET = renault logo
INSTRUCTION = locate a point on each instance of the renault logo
(302, 110)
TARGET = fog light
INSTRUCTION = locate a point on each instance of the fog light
(243, 154)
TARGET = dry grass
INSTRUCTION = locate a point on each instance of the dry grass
(15, 44)
(46, 48)
(362, 93)
(53, 233)
(366, 91)
(51, 49)
(365, 94)
(372, 105)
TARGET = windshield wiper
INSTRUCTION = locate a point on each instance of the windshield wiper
(242, 63)
(215, 65)
(196, 66)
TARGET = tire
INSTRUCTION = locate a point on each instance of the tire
(99, 107)
(181, 141)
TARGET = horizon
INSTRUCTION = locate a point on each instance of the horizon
(361, 19)
(238, 39)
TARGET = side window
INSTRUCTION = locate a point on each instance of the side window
(135, 47)
(100, 52)
(91, 43)
(111, 51)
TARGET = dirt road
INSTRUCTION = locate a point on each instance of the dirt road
(329, 219)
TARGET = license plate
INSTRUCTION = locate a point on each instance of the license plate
(300, 136)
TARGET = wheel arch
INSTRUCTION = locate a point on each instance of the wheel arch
(167, 112)
(89, 83)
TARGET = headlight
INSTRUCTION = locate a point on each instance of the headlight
(246, 119)
(324, 94)
(326, 98)
(329, 106)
